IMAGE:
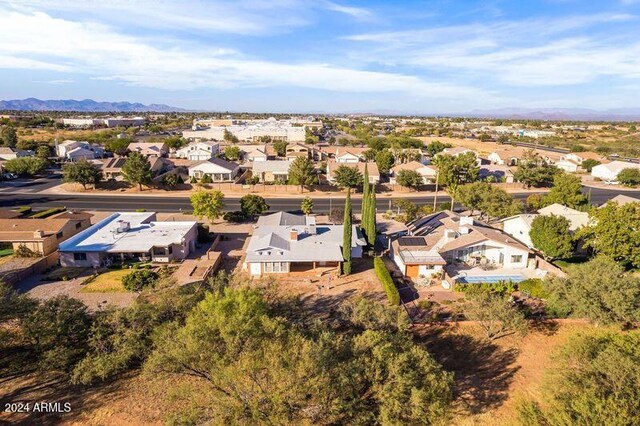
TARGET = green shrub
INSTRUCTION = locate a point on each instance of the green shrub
(235, 216)
(49, 212)
(501, 288)
(387, 282)
(24, 251)
(141, 210)
(206, 179)
(139, 279)
(533, 287)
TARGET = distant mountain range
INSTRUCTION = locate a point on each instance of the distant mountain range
(86, 105)
(557, 114)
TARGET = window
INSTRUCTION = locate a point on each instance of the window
(79, 256)
(78, 225)
(59, 235)
(516, 258)
(170, 250)
(158, 251)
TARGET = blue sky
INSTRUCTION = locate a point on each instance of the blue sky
(437, 56)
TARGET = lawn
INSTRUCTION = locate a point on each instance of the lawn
(6, 252)
(107, 282)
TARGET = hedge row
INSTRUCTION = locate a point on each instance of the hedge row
(387, 282)
(48, 212)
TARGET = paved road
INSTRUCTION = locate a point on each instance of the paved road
(175, 204)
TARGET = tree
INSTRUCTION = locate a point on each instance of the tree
(58, 329)
(302, 172)
(257, 367)
(384, 161)
(82, 172)
(280, 148)
(495, 314)
(118, 146)
(599, 290)
(613, 231)
(503, 139)
(137, 170)
(171, 180)
(629, 177)
(26, 165)
(232, 153)
(27, 145)
(306, 206)
(139, 279)
(436, 147)
(596, 382)
(566, 190)
(550, 235)
(175, 142)
(8, 136)
(348, 177)
(589, 164)
(347, 234)
(533, 171)
(206, 178)
(369, 220)
(453, 171)
(43, 151)
(230, 137)
(492, 201)
(484, 137)
(253, 205)
(410, 210)
(409, 179)
(14, 305)
(209, 204)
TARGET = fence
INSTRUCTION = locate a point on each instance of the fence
(37, 267)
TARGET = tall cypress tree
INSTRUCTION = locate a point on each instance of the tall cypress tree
(371, 217)
(346, 235)
(365, 201)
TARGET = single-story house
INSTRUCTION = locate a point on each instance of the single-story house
(498, 172)
(283, 243)
(218, 169)
(254, 152)
(128, 235)
(621, 200)
(8, 153)
(457, 150)
(428, 173)
(295, 150)
(112, 167)
(149, 149)
(580, 157)
(372, 169)
(609, 172)
(506, 156)
(336, 151)
(198, 151)
(271, 170)
(519, 226)
(567, 165)
(42, 235)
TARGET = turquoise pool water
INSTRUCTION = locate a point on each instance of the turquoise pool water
(490, 279)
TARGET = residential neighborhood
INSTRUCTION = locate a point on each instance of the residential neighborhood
(320, 213)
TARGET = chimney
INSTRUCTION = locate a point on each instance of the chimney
(465, 222)
(38, 234)
(293, 235)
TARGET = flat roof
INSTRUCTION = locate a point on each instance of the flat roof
(143, 234)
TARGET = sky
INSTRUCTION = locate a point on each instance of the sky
(423, 57)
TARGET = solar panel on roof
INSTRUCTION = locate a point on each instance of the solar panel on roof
(411, 241)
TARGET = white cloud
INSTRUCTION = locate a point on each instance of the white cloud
(355, 12)
(102, 53)
(534, 52)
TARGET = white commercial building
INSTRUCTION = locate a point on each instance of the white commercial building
(255, 132)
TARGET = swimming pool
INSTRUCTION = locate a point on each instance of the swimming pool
(490, 279)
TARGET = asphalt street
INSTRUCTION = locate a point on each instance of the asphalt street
(176, 204)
